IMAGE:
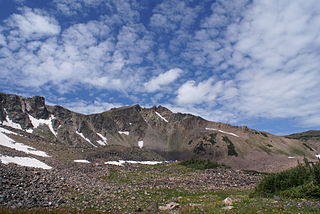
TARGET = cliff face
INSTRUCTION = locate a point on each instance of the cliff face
(172, 135)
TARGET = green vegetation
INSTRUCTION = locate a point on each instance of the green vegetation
(135, 177)
(231, 149)
(264, 134)
(302, 181)
(212, 138)
(297, 152)
(192, 203)
(250, 171)
(201, 164)
(45, 211)
(199, 148)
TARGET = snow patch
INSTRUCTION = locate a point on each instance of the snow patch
(229, 133)
(122, 162)
(10, 143)
(86, 139)
(124, 132)
(6, 131)
(24, 161)
(37, 122)
(161, 117)
(102, 142)
(117, 163)
(10, 123)
(140, 144)
(318, 156)
(81, 161)
(291, 157)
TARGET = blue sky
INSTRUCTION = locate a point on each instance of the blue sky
(244, 62)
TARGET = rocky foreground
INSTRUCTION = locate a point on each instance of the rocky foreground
(111, 188)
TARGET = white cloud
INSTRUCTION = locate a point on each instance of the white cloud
(82, 55)
(34, 23)
(190, 93)
(2, 40)
(163, 79)
(208, 91)
(269, 51)
(281, 79)
(85, 107)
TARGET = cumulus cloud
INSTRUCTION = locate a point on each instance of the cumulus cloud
(163, 79)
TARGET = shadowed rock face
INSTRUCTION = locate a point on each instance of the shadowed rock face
(172, 135)
(17, 109)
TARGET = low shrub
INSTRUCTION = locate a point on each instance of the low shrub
(302, 181)
(201, 164)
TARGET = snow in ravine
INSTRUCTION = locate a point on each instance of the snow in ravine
(124, 132)
(81, 161)
(122, 162)
(24, 161)
(86, 139)
(229, 133)
(102, 142)
(10, 123)
(10, 143)
(37, 122)
(318, 156)
(162, 117)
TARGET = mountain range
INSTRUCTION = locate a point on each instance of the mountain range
(138, 133)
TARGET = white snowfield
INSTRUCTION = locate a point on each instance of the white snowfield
(86, 139)
(10, 143)
(122, 162)
(161, 117)
(229, 133)
(140, 144)
(37, 122)
(24, 161)
(81, 161)
(318, 156)
(291, 157)
(103, 140)
(124, 132)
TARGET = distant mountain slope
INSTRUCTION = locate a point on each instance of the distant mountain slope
(308, 135)
(149, 133)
